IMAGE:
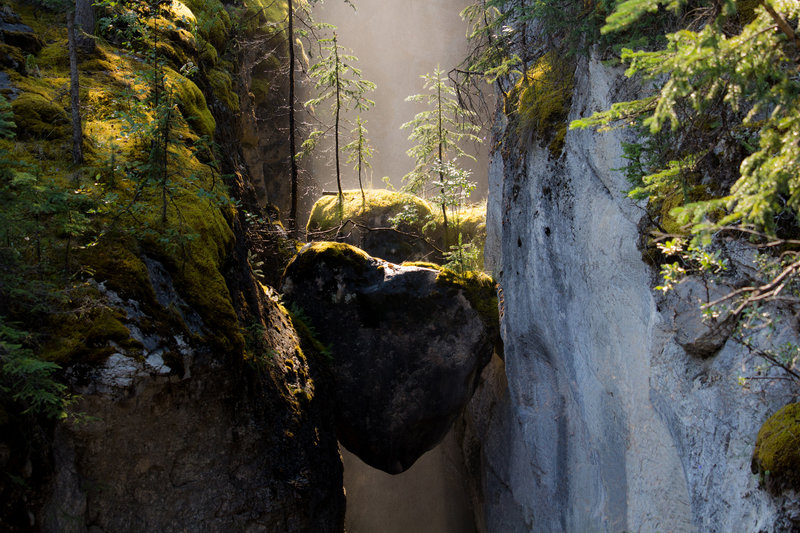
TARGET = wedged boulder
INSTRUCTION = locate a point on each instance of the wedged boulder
(407, 345)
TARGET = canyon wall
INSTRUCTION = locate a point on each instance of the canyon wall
(612, 420)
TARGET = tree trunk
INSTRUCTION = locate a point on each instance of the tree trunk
(338, 110)
(292, 127)
(74, 91)
(441, 162)
(360, 184)
(84, 22)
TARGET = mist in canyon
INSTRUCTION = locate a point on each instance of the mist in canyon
(396, 42)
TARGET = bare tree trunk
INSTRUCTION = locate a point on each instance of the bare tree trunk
(74, 91)
(84, 22)
(441, 169)
(338, 109)
(292, 127)
(360, 184)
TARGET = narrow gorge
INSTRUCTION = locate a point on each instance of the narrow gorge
(560, 312)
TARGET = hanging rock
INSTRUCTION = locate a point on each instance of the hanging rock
(407, 344)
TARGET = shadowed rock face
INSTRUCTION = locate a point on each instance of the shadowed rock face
(407, 346)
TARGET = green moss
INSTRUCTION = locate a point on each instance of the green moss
(192, 104)
(777, 452)
(481, 292)
(180, 14)
(195, 262)
(665, 208)
(472, 225)
(208, 54)
(89, 338)
(115, 262)
(261, 14)
(54, 55)
(39, 118)
(668, 222)
(259, 87)
(331, 253)
(543, 99)
(197, 275)
(12, 57)
(328, 212)
(422, 264)
(222, 85)
(213, 21)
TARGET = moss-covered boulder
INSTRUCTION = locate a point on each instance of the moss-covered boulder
(776, 457)
(192, 104)
(37, 117)
(21, 36)
(407, 344)
(12, 58)
(367, 222)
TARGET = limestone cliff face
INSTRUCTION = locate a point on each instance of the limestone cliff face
(609, 423)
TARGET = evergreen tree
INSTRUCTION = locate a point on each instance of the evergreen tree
(359, 151)
(726, 92)
(720, 133)
(438, 134)
(338, 81)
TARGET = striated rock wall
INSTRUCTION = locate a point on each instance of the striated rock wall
(608, 423)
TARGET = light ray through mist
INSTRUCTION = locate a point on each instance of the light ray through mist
(396, 41)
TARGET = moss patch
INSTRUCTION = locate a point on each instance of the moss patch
(776, 457)
(481, 291)
(478, 288)
(39, 118)
(192, 104)
(54, 55)
(331, 253)
(222, 85)
(543, 97)
(12, 57)
(115, 262)
(328, 212)
(89, 338)
(213, 21)
(381, 205)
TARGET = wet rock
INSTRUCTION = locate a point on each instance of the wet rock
(407, 345)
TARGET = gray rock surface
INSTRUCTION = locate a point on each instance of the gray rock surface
(407, 347)
(608, 423)
(225, 445)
